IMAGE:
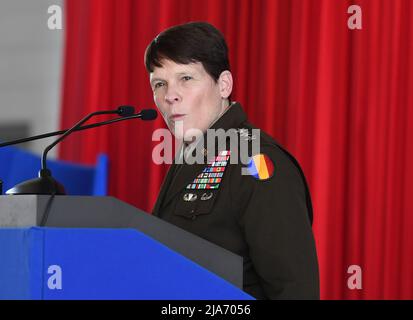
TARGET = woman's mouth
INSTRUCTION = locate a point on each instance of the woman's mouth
(176, 117)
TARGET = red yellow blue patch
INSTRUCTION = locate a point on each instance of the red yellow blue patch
(261, 167)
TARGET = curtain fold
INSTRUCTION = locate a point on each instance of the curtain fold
(340, 100)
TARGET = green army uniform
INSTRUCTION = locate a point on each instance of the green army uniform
(266, 221)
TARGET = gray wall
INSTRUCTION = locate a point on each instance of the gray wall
(31, 58)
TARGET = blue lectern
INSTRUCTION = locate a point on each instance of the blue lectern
(76, 247)
(59, 263)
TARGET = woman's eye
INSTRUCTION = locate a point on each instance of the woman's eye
(158, 85)
(186, 78)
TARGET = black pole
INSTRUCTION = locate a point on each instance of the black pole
(56, 133)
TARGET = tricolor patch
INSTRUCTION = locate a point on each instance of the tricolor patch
(261, 167)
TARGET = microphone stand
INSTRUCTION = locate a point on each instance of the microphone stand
(45, 183)
(56, 133)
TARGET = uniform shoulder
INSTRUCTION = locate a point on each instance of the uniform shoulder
(269, 148)
(272, 166)
(266, 142)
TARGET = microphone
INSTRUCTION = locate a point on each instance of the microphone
(46, 184)
(126, 111)
(148, 114)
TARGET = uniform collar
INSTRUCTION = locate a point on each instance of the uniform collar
(232, 118)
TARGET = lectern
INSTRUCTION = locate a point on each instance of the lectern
(81, 247)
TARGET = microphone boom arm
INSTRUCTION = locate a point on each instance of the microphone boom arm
(45, 184)
(56, 133)
(77, 125)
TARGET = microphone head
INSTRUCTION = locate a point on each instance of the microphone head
(148, 114)
(126, 111)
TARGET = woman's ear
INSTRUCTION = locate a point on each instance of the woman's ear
(225, 83)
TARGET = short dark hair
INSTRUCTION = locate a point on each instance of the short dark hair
(188, 43)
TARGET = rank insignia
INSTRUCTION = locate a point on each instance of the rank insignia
(261, 167)
(246, 135)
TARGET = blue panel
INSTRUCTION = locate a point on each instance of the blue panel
(101, 178)
(100, 264)
(21, 261)
(17, 165)
(126, 264)
(6, 161)
(36, 263)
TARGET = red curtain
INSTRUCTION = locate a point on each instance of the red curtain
(338, 99)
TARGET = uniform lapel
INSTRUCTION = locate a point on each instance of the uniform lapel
(167, 181)
(185, 174)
